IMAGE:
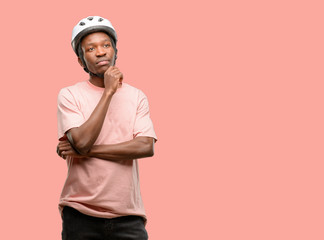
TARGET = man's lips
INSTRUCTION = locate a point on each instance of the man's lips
(103, 62)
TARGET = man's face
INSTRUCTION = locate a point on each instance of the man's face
(98, 52)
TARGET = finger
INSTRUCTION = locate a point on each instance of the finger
(64, 148)
(114, 70)
(120, 76)
(68, 152)
(114, 67)
(63, 155)
(117, 75)
(61, 149)
(63, 143)
(109, 69)
(60, 154)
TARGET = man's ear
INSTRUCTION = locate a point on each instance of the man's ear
(80, 62)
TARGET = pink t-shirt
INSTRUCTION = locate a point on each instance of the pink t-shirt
(97, 187)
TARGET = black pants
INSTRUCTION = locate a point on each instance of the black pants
(78, 226)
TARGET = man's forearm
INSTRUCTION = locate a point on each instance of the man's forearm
(85, 135)
(139, 147)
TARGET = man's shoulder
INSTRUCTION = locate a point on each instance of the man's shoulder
(133, 89)
(129, 87)
(75, 86)
(73, 89)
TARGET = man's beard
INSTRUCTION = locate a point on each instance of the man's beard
(99, 75)
(102, 75)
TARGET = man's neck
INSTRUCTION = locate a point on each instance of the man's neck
(99, 82)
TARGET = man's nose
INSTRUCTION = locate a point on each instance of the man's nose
(100, 51)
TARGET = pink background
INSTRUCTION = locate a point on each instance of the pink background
(236, 96)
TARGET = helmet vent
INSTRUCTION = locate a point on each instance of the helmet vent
(90, 18)
(82, 23)
(100, 19)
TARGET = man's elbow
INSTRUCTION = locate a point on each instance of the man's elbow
(147, 147)
(150, 148)
(150, 152)
(80, 145)
(82, 148)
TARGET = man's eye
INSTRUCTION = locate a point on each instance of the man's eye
(90, 49)
(107, 45)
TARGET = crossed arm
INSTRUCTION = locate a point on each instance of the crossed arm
(78, 142)
(140, 147)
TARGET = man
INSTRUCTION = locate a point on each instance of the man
(104, 126)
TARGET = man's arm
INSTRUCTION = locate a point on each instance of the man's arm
(82, 138)
(140, 147)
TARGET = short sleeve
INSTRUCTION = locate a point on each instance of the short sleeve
(143, 123)
(68, 113)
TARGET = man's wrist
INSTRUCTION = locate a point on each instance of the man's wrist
(108, 92)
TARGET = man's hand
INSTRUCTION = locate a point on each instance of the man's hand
(112, 79)
(65, 149)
